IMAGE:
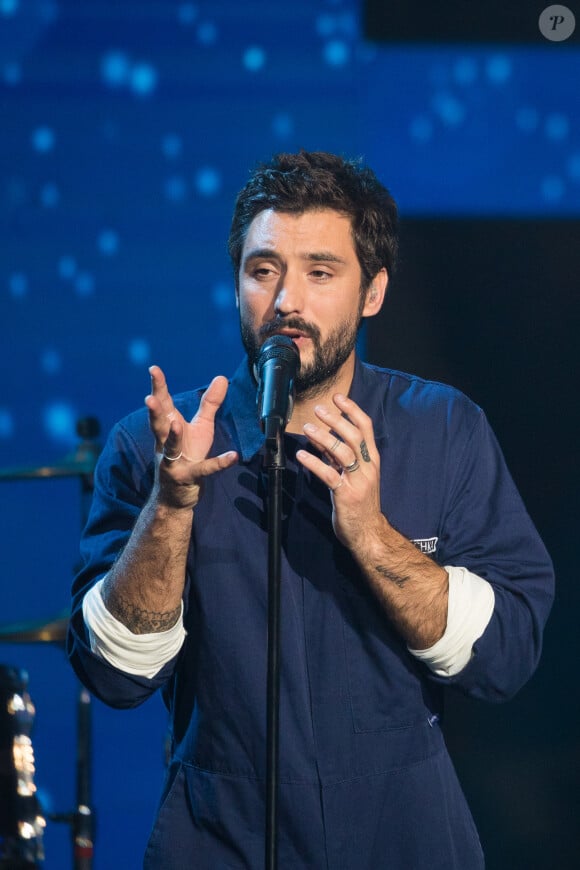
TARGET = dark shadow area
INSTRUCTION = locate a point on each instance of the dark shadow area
(491, 307)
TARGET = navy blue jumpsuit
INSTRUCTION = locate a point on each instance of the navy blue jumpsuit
(365, 778)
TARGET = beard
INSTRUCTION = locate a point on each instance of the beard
(328, 356)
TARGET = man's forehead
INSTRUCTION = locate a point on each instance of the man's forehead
(272, 226)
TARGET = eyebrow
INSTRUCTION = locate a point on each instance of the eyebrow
(324, 257)
(261, 254)
(311, 257)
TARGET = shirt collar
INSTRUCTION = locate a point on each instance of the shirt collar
(241, 406)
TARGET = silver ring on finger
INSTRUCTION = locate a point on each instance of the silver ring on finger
(335, 445)
(352, 467)
(172, 458)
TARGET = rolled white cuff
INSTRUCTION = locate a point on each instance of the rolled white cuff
(141, 654)
(469, 610)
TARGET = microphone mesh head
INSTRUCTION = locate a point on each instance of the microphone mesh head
(279, 347)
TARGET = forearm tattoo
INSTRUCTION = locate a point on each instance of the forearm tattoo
(398, 579)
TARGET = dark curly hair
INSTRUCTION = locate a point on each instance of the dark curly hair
(306, 181)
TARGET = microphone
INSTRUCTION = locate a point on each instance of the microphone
(277, 365)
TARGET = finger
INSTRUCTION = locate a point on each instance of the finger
(354, 427)
(172, 448)
(165, 427)
(160, 390)
(328, 474)
(327, 443)
(212, 399)
(163, 416)
(338, 439)
(206, 467)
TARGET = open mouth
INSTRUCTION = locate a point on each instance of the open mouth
(295, 334)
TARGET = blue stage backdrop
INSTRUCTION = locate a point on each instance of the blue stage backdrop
(126, 131)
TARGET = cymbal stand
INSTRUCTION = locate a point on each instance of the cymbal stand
(82, 820)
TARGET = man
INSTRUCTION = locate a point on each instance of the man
(409, 563)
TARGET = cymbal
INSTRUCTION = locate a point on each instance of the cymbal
(44, 631)
(81, 463)
(68, 468)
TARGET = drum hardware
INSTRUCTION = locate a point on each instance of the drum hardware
(81, 819)
(80, 464)
(46, 631)
(21, 821)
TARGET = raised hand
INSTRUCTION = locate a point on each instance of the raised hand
(182, 446)
(350, 467)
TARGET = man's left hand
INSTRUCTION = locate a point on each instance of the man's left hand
(350, 468)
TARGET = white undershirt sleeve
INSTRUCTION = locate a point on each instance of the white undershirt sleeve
(469, 610)
(141, 654)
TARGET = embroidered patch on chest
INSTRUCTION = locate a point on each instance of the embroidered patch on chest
(425, 545)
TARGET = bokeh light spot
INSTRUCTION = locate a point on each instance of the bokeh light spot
(223, 296)
(12, 73)
(143, 79)
(139, 351)
(207, 33)
(336, 52)
(254, 58)
(9, 7)
(208, 181)
(50, 361)
(283, 125)
(187, 13)
(6, 423)
(498, 69)
(18, 285)
(43, 139)
(115, 69)
(449, 109)
(421, 129)
(325, 24)
(84, 284)
(67, 267)
(59, 421)
(108, 243)
(49, 195)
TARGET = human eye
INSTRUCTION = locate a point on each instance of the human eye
(263, 272)
(320, 275)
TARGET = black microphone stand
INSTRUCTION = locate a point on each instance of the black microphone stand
(274, 463)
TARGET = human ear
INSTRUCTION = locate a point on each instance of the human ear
(375, 295)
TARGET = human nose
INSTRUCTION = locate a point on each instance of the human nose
(290, 297)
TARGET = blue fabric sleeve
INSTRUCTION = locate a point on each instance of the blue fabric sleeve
(486, 529)
(123, 481)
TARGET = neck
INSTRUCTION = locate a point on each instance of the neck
(304, 405)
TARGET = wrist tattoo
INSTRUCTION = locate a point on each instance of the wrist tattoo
(137, 619)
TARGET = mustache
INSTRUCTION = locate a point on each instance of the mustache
(274, 326)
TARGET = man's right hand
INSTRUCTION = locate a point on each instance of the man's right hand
(182, 447)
